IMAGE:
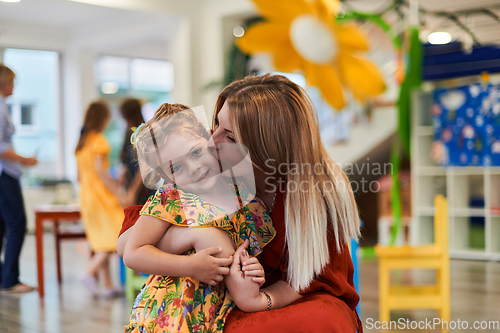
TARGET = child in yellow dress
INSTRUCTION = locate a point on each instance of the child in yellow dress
(185, 294)
(100, 197)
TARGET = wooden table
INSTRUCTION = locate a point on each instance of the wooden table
(54, 214)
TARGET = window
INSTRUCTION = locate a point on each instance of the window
(26, 114)
(148, 80)
(34, 110)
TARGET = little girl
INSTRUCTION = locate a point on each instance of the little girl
(100, 197)
(184, 295)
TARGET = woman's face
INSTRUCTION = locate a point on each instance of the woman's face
(232, 155)
(223, 133)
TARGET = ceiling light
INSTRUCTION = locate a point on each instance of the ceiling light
(109, 88)
(439, 38)
(238, 31)
(10, 0)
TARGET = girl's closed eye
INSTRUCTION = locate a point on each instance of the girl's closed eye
(230, 138)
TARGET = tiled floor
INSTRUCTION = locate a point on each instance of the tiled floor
(475, 296)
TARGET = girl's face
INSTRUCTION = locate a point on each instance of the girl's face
(187, 162)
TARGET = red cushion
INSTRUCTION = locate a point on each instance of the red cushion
(315, 312)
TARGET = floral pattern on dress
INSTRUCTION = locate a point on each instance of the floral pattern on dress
(184, 304)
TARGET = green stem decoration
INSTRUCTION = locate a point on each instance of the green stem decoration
(413, 79)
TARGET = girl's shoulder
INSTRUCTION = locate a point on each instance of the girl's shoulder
(173, 205)
(98, 142)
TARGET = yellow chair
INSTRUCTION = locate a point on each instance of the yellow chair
(433, 256)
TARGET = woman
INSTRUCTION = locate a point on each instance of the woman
(12, 215)
(309, 273)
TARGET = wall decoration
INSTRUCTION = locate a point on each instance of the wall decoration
(304, 35)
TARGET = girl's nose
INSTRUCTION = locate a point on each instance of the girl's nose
(193, 167)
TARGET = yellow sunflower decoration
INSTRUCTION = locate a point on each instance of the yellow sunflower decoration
(303, 35)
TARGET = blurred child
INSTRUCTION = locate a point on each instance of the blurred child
(131, 180)
(101, 209)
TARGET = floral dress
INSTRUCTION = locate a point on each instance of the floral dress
(184, 304)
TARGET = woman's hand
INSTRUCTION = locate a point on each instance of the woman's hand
(252, 267)
(243, 289)
(207, 268)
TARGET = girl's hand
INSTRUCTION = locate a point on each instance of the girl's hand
(252, 267)
(207, 268)
(244, 290)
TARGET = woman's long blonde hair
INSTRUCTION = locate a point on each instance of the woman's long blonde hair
(276, 120)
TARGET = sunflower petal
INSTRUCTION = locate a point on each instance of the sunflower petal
(309, 71)
(350, 36)
(273, 38)
(285, 58)
(263, 37)
(327, 80)
(326, 9)
(361, 75)
(283, 11)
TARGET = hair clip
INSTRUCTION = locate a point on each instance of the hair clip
(137, 130)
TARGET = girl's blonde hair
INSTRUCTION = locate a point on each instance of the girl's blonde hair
(276, 120)
(151, 136)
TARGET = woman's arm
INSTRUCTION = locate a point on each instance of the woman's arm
(282, 294)
(141, 255)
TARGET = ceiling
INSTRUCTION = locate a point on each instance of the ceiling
(484, 27)
(98, 26)
(155, 20)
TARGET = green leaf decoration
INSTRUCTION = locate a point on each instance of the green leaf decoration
(169, 296)
(198, 297)
(175, 312)
(172, 206)
(146, 307)
(201, 318)
(251, 226)
(214, 299)
(189, 324)
(201, 219)
(145, 294)
(220, 325)
(154, 311)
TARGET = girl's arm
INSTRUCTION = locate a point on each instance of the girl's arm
(134, 188)
(110, 183)
(246, 293)
(139, 254)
